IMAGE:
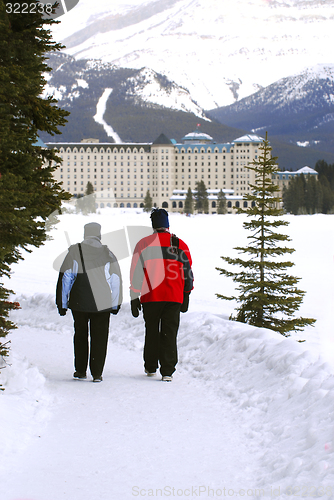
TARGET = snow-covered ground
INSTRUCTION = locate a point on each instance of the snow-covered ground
(249, 412)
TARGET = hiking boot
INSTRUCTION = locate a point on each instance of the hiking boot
(79, 375)
(149, 374)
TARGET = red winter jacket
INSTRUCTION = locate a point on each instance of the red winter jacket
(160, 271)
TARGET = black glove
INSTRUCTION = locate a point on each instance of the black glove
(135, 307)
(62, 311)
(185, 303)
(115, 311)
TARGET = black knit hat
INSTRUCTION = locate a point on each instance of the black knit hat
(159, 218)
(92, 229)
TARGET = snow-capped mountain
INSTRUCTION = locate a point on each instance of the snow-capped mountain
(144, 85)
(122, 104)
(115, 104)
(297, 109)
(221, 51)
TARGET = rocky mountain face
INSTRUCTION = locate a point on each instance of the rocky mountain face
(122, 104)
(116, 104)
(298, 110)
(220, 51)
(71, 79)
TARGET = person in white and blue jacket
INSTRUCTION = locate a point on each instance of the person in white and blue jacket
(90, 284)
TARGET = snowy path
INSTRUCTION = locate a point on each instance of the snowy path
(126, 436)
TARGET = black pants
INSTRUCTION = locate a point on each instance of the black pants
(162, 321)
(99, 330)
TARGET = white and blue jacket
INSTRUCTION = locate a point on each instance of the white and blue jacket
(92, 283)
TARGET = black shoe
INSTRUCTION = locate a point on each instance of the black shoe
(97, 379)
(79, 375)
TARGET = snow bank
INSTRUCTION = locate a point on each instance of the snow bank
(279, 392)
(24, 406)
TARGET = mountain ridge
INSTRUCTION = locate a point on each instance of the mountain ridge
(220, 52)
(81, 85)
(297, 110)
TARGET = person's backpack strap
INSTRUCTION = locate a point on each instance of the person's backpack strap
(82, 261)
(174, 243)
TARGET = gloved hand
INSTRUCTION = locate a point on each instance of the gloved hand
(115, 311)
(62, 311)
(185, 303)
(135, 307)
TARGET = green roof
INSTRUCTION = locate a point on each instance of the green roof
(162, 139)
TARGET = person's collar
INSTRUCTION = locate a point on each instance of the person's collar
(93, 241)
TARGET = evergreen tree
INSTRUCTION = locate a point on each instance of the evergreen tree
(148, 202)
(325, 170)
(28, 191)
(89, 189)
(188, 204)
(289, 201)
(87, 204)
(202, 203)
(90, 198)
(311, 196)
(79, 203)
(221, 200)
(294, 195)
(300, 194)
(308, 195)
(268, 295)
(327, 196)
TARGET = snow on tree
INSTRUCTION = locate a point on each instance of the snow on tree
(268, 296)
(87, 203)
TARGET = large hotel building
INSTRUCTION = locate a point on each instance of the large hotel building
(121, 174)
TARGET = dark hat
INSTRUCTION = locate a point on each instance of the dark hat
(159, 218)
(92, 229)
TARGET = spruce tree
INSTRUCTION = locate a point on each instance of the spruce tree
(202, 203)
(327, 196)
(221, 203)
(294, 196)
(308, 195)
(325, 170)
(28, 191)
(147, 202)
(188, 204)
(268, 296)
(79, 203)
(89, 199)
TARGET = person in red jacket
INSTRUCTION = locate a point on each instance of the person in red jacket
(161, 280)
